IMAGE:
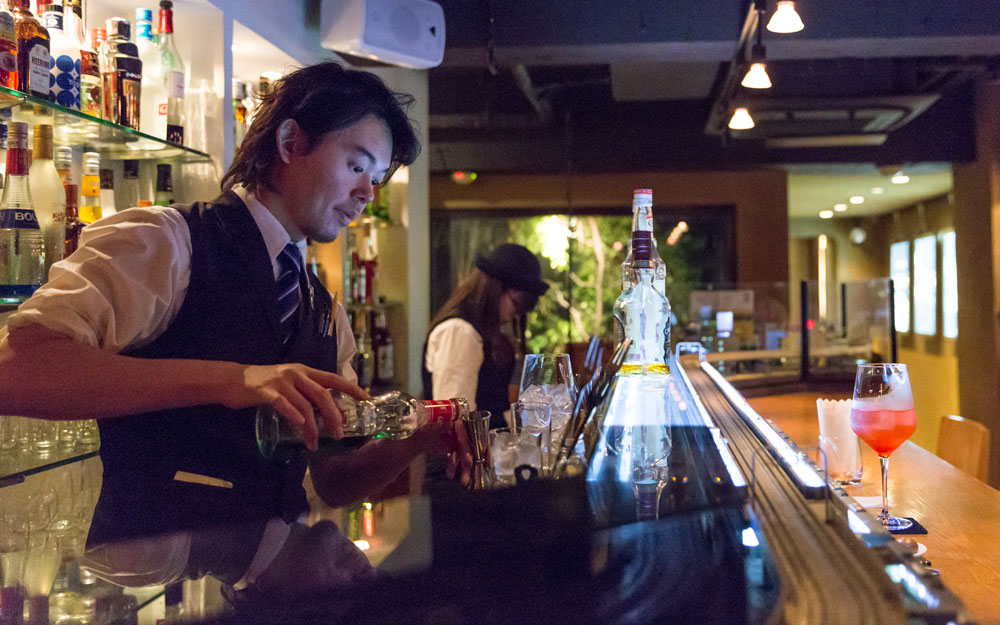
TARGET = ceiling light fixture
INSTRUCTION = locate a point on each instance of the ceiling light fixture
(840, 207)
(741, 119)
(857, 199)
(877, 190)
(785, 19)
(825, 214)
(756, 77)
(900, 178)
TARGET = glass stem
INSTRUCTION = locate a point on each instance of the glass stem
(884, 461)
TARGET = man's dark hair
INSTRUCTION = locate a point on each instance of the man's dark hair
(321, 98)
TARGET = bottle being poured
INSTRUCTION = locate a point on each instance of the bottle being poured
(394, 415)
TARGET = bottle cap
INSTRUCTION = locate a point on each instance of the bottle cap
(143, 203)
(54, 8)
(119, 27)
(166, 4)
(91, 156)
(43, 131)
(143, 15)
(17, 135)
(97, 35)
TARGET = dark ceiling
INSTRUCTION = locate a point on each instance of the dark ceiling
(605, 85)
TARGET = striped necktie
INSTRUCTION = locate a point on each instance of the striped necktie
(287, 285)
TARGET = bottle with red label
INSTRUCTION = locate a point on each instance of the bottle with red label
(8, 49)
(393, 415)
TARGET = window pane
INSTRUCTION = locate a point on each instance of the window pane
(949, 285)
(925, 285)
(899, 260)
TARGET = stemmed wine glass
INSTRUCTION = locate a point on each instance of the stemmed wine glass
(882, 416)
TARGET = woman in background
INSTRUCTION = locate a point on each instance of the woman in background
(467, 354)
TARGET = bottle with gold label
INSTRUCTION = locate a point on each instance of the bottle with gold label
(8, 49)
(32, 51)
(90, 188)
(91, 89)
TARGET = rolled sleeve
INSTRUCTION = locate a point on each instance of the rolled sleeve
(122, 287)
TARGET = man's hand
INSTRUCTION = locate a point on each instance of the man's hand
(294, 390)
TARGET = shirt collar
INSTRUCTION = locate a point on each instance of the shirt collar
(274, 234)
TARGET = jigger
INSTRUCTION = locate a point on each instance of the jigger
(477, 430)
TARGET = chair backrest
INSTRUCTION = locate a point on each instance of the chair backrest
(965, 444)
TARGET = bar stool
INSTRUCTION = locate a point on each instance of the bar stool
(965, 444)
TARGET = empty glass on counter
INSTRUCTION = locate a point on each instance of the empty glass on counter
(548, 379)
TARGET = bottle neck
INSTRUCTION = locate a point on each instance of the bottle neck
(642, 217)
(18, 162)
(166, 23)
(53, 21)
(144, 31)
(43, 148)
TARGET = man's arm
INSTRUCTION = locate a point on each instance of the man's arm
(51, 376)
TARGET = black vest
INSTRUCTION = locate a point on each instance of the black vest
(491, 389)
(230, 314)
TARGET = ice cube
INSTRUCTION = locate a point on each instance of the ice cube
(534, 394)
(528, 452)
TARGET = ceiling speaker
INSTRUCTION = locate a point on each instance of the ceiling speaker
(408, 33)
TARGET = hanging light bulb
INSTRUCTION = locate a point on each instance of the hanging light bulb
(741, 119)
(757, 77)
(785, 19)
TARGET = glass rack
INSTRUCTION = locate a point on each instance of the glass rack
(75, 128)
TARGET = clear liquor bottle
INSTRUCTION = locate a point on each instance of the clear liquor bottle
(394, 415)
(90, 188)
(22, 249)
(642, 220)
(64, 88)
(32, 51)
(172, 68)
(164, 186)
(8, 49)
(48, 196)
(643, 313)
(153, 116)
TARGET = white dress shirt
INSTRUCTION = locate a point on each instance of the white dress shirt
(120, 290)
(454, 356)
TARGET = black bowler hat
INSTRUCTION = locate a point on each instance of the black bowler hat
(516, 267)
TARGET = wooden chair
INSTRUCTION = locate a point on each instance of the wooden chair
(965, 444)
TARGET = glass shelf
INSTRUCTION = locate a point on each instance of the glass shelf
(16, 464)
(71, 127)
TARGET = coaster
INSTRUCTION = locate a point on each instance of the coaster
(916, 528)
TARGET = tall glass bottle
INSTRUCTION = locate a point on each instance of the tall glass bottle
(91, 89)
(8, 49)
(173, 73)
(63, 160)
(90, 188)
(22, 249)
(382, 349)
(121, 74)
(164, 186)
(153, 117)
(393, 415)
(64, 87)
(642, 220)
(73, 224)
(32, 51)
(48, 196)
(643, 313)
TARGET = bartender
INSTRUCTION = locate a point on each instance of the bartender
(467, 353)
(171, 324)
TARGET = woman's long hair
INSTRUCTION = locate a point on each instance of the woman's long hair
(477, 300)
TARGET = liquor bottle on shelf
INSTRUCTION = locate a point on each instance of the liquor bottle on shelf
(73, 223)
(8, 49)
(393, 415)
(172, 68)
(3, 153)
(48, 196)
(63, 161)
(64, 88)
(643, 313)
(121, 74)
(22, 249)
(108, 205)
(128, 195)
(364, 360)
(91, 88)
(164, 186)
(32, 51)
(153, 117)
(642, 220)
(239, 111)
(382, 348)
(90, 188)
(368, 264)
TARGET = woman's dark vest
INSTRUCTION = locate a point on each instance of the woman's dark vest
(230, 314)
(491, 389)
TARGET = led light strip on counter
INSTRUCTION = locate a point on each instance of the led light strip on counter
(808, 480)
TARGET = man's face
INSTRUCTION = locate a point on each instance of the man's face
(331, 184)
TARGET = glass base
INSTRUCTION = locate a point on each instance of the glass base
(894, 523)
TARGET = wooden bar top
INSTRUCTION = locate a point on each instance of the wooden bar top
(961, 514)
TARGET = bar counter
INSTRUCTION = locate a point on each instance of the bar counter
(961, 513)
